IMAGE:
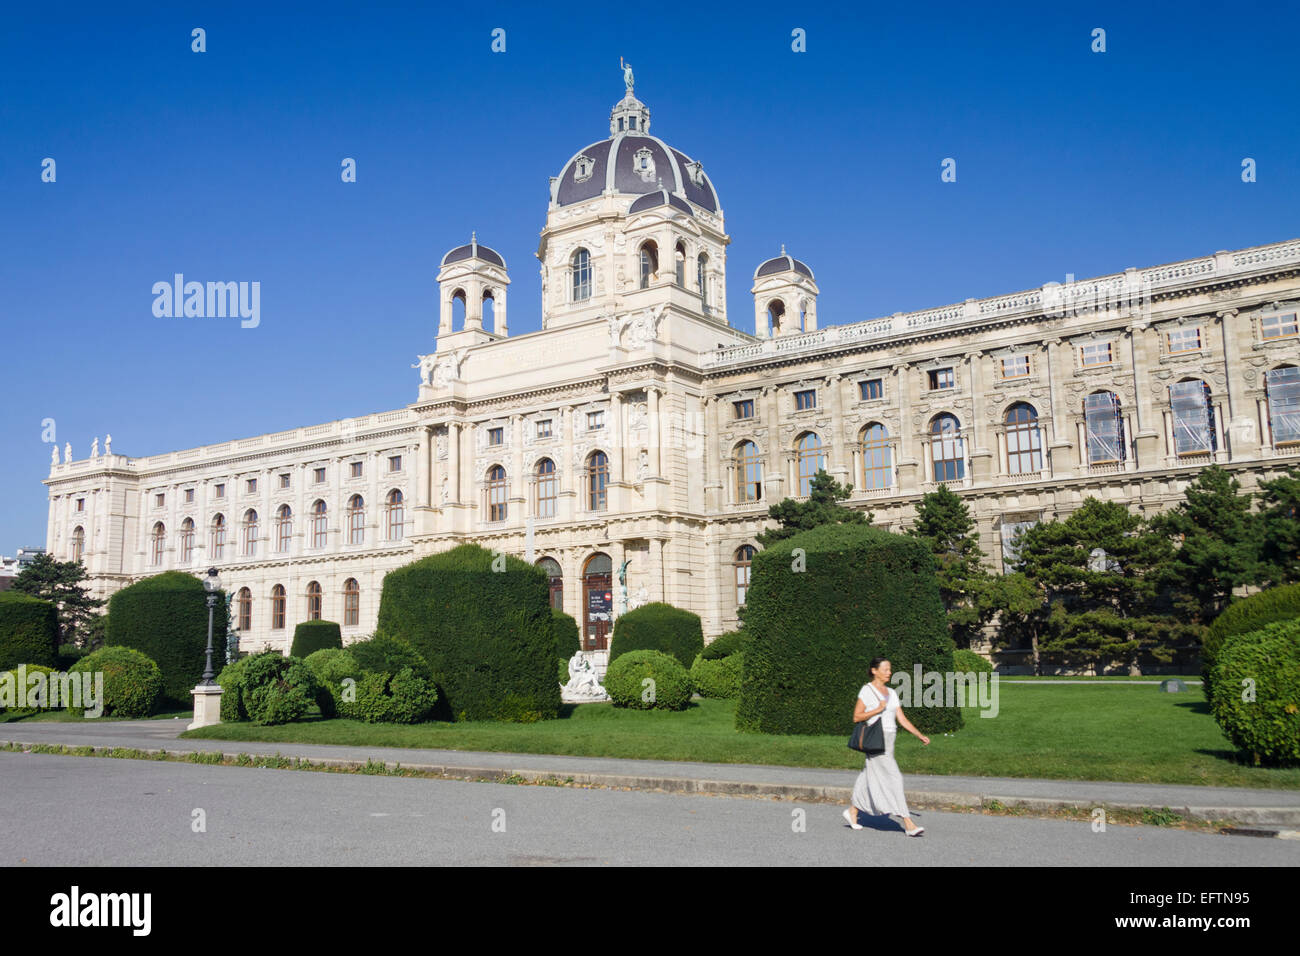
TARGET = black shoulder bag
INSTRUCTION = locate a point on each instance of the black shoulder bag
(868, 736)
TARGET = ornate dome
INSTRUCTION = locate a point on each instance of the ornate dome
(475, 249)
(782, 263)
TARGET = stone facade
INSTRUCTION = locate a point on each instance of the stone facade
(1025, 403)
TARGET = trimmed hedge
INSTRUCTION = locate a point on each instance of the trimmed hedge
(1243, 616)
(567, 641)
(718, 678)
(483, 623)
(268, 688)
(29, 631)
(312, 636)
(1267, 724)
(133, 684)
(20, 687)
(658, 627)
(968, 661)
(394, 684)
(165, 617)
(383, 654)
(625, 682)
(724, 645)
(820, 606)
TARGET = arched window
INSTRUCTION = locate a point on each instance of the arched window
(877, 466)
(159, 543)
(649, 263)
(744, 557)
(1189, 402)
(250, 533)
(581, 268)
(812, 459)
(187, 541)
(546, 488)
(314, 601)
(78, 542)
(597, 479)
(1282, 386)
(351, 603)
(496, 493)
(945, 448)
(488, 309)
(277, 607)
(245, 604)
(396, 515)
(702, 279)
(1104, 428)
(749, 473)
(1024, 440)
(679, 261)
(556, 579)
(458, 309)
(356, 520)
(283, 528)
(319, 524)
(218, 537)
(775, 315)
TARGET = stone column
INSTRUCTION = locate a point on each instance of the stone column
(654, 432)
(518, 484)
(774, 471)
(658, 575)
(907, 463)
(1064, 464)
(714, 491)
(1239, 431)
(840, 453)
(453, 462)
(1146, 437)
(981, 459)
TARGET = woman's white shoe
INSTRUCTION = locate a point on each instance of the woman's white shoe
(916, 831)
(852, 817)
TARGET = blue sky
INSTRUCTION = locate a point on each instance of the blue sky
(224, 166)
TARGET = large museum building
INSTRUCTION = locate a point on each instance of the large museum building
(649, 423)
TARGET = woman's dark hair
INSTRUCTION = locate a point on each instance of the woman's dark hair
(876, 662)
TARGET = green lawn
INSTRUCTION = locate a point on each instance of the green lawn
(1117, 732)
(63, 717)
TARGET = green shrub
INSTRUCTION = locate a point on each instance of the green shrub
(383, 654)
(231, 680)
(1243, 616)
(567, 640)
(69, 654)
(563, 670)
(658, 627)
(484, 625)
(401, 698)
(1267, 725)
(29, 631)
(820, 606)
(165, 617)
(726, 644)
(718, 678)
(312, 636)
(968, 661)
(332, 664)
(16, 686)
(133, 684)
(392, 682)
(269, 688)
(626, 677)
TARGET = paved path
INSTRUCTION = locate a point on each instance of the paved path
(1272, 808)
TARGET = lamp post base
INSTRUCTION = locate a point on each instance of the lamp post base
(207, 706)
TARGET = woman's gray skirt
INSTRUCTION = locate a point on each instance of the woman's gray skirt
(879, 788)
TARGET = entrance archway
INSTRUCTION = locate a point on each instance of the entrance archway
(597, 602)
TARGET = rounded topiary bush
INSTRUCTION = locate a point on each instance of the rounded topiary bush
(29, 631)
(658, 627)
(268, 688)
(1242, 617)
(165, 617)
(724, 645)
(231, 680)
(720, 678)
(968, 661)
(648, 680)
(567, 641)
(1257, 692)
(483, 623)
(332, 664)
(133, 684)
(393, 683)
(385, 654)
(312, 636)
(17, 687)
(820, 606)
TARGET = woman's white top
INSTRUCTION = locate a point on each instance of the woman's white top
(871, 700)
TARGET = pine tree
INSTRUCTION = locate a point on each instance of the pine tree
(944, 523)
(822, 507)
(1019, 604)
(60, 583)
(1279, 519)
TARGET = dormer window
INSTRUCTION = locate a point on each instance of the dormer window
(620, 124)
(582, 169)
(643, 162)
(631, 122)
(695, 172)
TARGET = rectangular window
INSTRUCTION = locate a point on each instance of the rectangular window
(1183, 340)
(1105, 428)
(318, 476)
(942, 378)
(595, 420)
(1096, 353)
(871, 389)
(744, 409)
(284, 481)
(544, 428)
(1015, 366)
(1193, 418)
(496, 436)
(221, 491)
(1283, 388)
(81, 504)
(159, 500)
(806, 399)
(189, 496)
(395, 463)
(356, 469)
(251, 486)
(1279, 326)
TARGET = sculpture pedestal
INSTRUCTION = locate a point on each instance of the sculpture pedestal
(207, 706)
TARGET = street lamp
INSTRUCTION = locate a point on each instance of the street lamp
(212, 585)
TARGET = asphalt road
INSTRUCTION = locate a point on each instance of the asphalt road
(143, 813)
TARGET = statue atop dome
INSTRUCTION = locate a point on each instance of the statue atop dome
(628, 79)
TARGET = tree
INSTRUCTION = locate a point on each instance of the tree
(59, 582)
(822, 507)
(1218, 543)
(1279, 518)
(1102, 572)
(1020, 605)
(944, 525)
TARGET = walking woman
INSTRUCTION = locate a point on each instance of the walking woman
(879, 788)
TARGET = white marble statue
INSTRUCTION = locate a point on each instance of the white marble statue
(108, 444)
(54, 455)
(67, 452)
(94, 448)
(583, 684)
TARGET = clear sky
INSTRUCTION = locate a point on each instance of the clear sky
(224, 166)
